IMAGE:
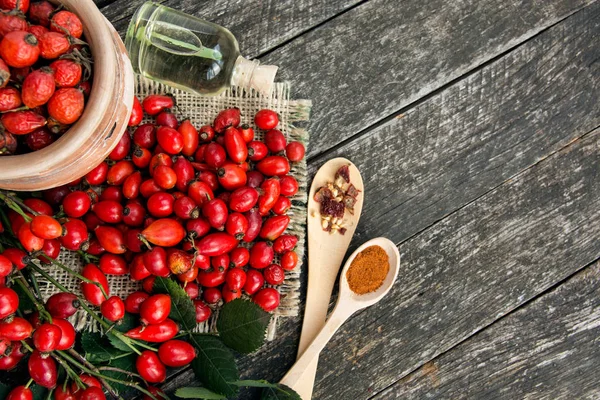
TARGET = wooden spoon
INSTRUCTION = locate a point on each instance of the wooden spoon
(348, 303)
(325, 255)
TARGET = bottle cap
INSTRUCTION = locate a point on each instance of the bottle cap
(250, 74)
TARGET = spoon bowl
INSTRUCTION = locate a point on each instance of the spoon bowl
(347, 297)
(347, 304)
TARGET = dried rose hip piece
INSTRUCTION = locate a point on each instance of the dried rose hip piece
(19, 49)
(66, 105)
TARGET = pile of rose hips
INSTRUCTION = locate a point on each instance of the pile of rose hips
(18, 336)
(44, 74)
(181, 200)
(205, 206)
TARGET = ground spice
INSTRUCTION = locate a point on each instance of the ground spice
(368, 270)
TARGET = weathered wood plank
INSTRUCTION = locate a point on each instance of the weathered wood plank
(545, 350)
(482, 130)
(473, 267)
(379, 57)
(479, 132)
(475, 135)
(258, 25)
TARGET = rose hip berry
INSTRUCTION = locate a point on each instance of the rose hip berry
(38, 87)
(19, 49)
(155, 309)
(267, 299)
(113, 309)
(266, 119)
(66, 105)
(150, 368)
(203, 311)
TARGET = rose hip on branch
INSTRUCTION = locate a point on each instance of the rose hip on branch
(207, 208)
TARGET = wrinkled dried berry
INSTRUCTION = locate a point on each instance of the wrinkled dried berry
(332, 208)
(352, 191)
(322, 194)
(344, 172)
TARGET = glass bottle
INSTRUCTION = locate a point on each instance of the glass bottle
(191, 54)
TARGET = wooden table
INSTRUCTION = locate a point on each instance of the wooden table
(476, 126)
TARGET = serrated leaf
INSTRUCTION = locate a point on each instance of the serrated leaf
(182, 307)
(117, 343)
(214, 365)
(128, 322)
(242, 325)
(198, 393)
(279, 392)
(126, 363)
(98, 348)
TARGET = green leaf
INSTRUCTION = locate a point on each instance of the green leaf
(4, 390)
(215, 365)
(279, 392)
(117, 343)
(182, 307)
(198, 393)
(242, 325)
(128, 322)
(126, 363)
(98, 348)
(39, 392)
(253, 383)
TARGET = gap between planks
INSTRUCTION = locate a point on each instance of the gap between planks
(501, 115)
(432, 367)
(573, 103)
(400, 112)
(524, 305)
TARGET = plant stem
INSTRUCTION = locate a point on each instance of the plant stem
(28, 347)
(24, 279)
(90, 366)
(108, 378)
(69, 370)
(29, 382)
(122, 371)
(15, 204)
(145, 346)
(38, 305)
(87, 257)
(128, 341)
(143, 240)
(76, 274)
(35, 285)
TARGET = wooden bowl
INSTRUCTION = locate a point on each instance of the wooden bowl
(102, 123)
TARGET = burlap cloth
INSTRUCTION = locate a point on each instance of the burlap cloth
(202, 110)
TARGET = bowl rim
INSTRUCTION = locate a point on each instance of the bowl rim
(87, 133)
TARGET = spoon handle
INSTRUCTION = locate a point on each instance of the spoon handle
(293, 378)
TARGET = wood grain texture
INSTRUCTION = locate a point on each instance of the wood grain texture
(455, 147)
(257, 24)
(379, 57)
(472, 268)
(468, 139)
(103, 3)
(545, 350)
